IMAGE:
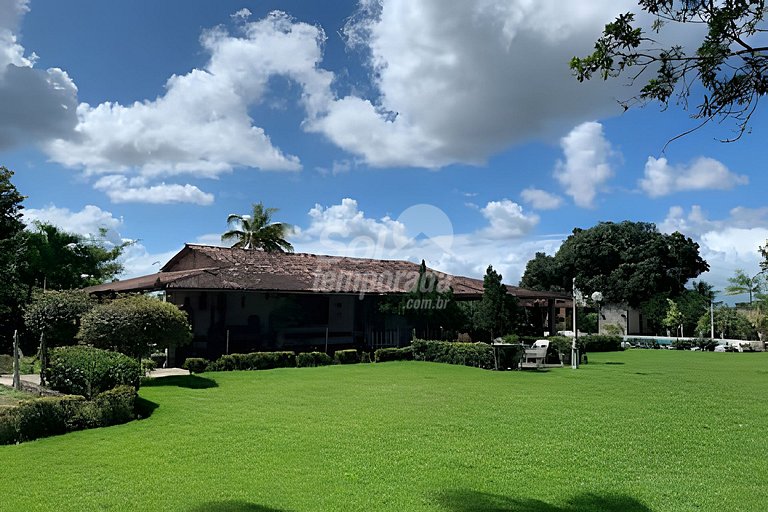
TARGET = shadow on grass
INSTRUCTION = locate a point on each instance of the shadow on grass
(472, 501)
(232, 506)
(144, 408)
(181, 381)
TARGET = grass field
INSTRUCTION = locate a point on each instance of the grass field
(637, 431)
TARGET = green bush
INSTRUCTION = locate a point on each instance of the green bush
(253, 361)
(453, 352)
(6, 363)
(365, 357)
(134, 324)
(383, 355)
(309, 359)
(89, 371)
(148, 365)
(57, 314)
(349, 356)
(195, 364)
(601, 343)
(54, 415)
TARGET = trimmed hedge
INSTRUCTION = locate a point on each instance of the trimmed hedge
(383, 355)
(310, 359)
(196, 364)
(253, 361)
(479, 355)
(601, 343)
(54, 415)
(365, 357)
(89, 371)
(349, 356)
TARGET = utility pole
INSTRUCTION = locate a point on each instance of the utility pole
(711, 320)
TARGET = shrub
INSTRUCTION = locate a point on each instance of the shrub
(346, 356)
(6, 363)
(133, 324)
(147, 365)
(601, 343)
(383, 355)
(365, 357)
(195, 364)
(57, 314)
(53, 415)
(454, 352)
(309, 359)
(89, 371)
(510, 338)
(253, 361)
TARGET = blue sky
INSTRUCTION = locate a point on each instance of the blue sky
(398, 129)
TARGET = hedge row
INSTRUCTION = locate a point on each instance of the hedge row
(346, 356)
(311, 359)
(453, 352)
(383, 355)
(601, 343)
(253, 361)
(89, 371)
(53, 415)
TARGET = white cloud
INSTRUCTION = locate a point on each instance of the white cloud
(457, 81)
(586, 167)
(662, 179)
(541, 199)
(338, 167)
(36, 104)
(426, 232)
(726, 244)
(87, 222)
(507, 220)
(201, 125)
(120, 189)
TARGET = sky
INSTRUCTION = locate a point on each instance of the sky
(445, 130)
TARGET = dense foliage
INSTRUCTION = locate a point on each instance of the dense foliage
(311, 359)
(89, 371)
(727, 66)
(57, 314)
(383, 355)
(12, 248)
(134, 325)
(729, 324)
(49, 416)
(195, 364)
(346, 356)
(253, 361)
(453, 352)
(629, 262)
(496, 311)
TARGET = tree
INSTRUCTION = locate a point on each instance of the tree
(729, 324)
(257, 231)
(133, 325)
(12, 247)
(57, 315)
(674, 318)
(496, 309)
(727, 66)
(629, 262)
(541, 274)
(58, 260)
(741, 284)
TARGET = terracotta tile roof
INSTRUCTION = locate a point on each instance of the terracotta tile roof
(238, 269)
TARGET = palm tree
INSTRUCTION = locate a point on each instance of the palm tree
(257, 231)
(741, 283)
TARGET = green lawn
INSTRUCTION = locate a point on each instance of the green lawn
(637, 431)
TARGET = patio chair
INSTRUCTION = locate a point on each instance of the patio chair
(535, 356)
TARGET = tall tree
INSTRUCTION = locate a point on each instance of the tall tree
(257, 231)
(742, 284)
(58, 260)
(495, 311)
(12, 261)
(629, 262)
(726, 66)
(541, 273)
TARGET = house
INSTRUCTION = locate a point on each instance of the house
(622, 320)
(242, 300)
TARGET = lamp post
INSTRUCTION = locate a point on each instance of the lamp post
(574, 346)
